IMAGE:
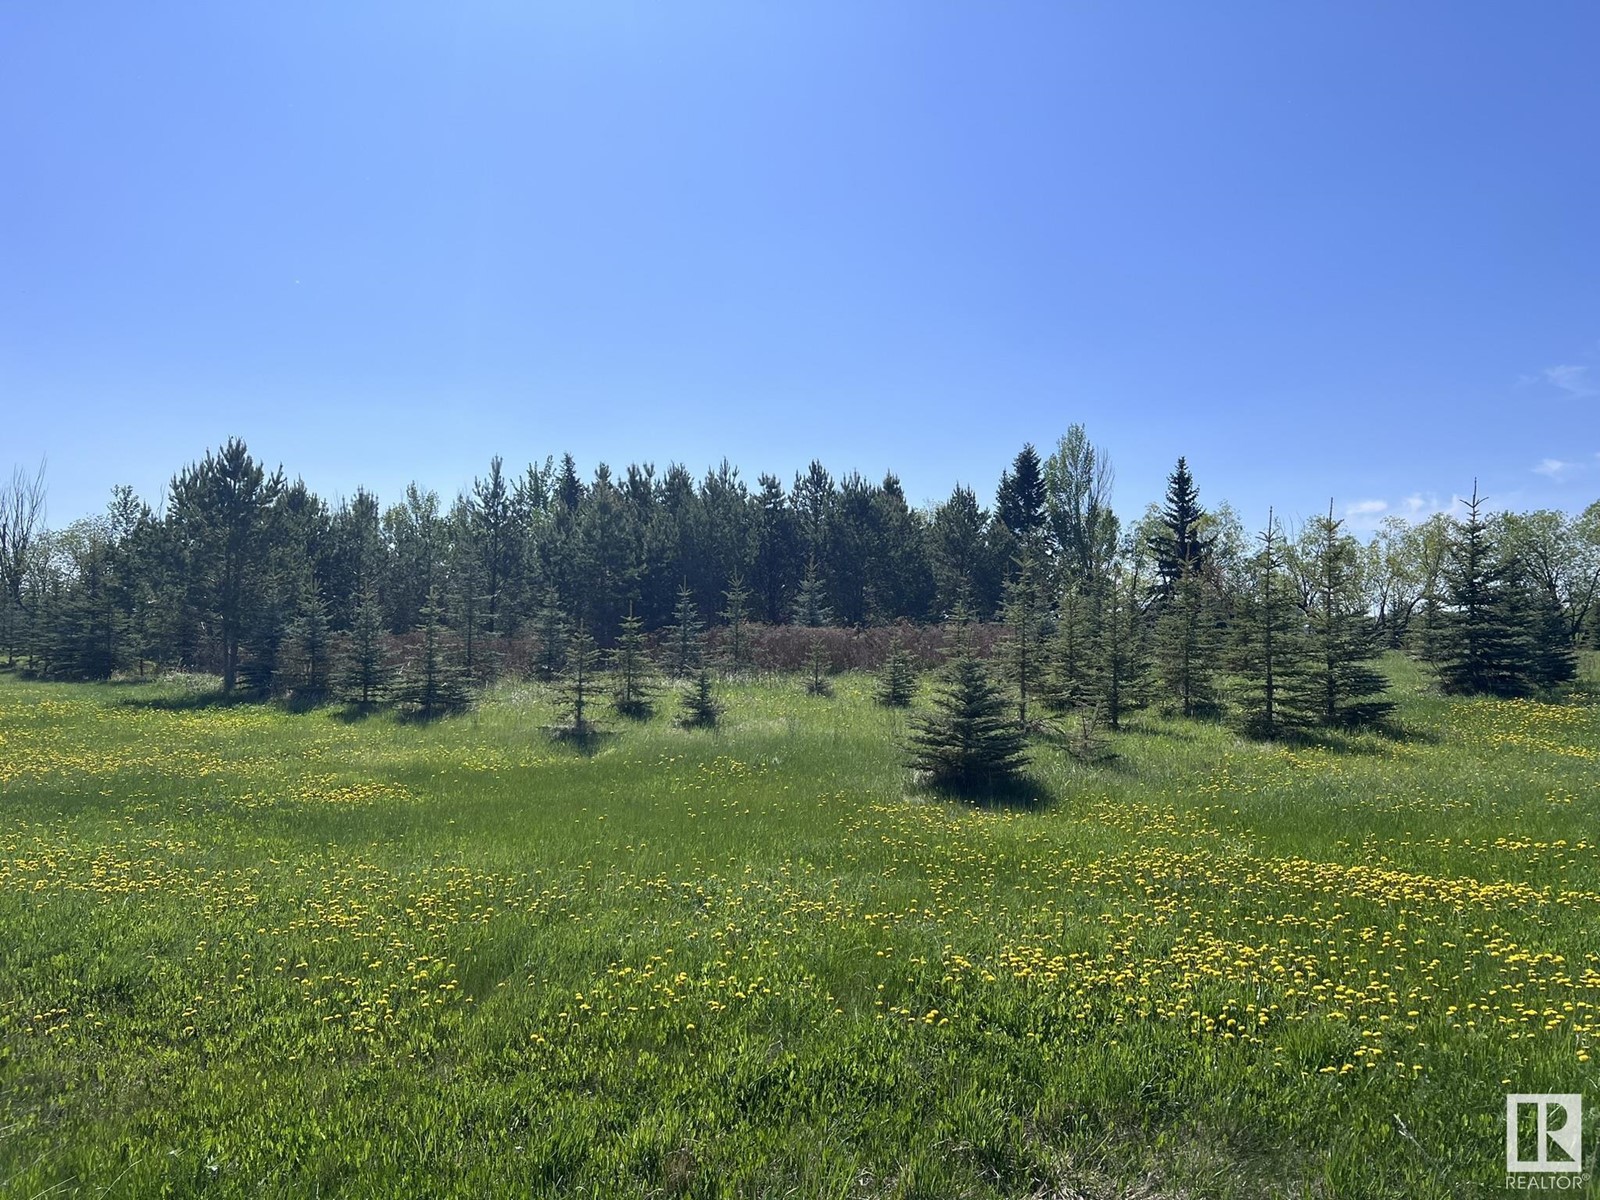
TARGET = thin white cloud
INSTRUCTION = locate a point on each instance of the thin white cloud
(1365, 507)
(1556, 469)
(1418, 505)
(1571, 378)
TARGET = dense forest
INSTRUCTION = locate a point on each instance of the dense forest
(246, 574)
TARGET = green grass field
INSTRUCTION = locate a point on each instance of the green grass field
(254, 953)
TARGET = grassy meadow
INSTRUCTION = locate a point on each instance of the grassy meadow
(248, 952)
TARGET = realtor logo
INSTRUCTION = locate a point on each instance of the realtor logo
(1556, 1123)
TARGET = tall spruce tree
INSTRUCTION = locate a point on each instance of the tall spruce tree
(685, 640)
(1271, 636)
(1179, 545)
(1342, 687)
(1480, 640)
(1120, 655)
(897, 678)
(736, 616)
(1023, 615)
(579, 682)
(309, 643)
(435, 683)
(364, 669)
(1020, 501)
(1069, 674)
(968, 741)
(1188, 644)
(550, 628)
(632, 673)
(1554, 659)
(810, 602)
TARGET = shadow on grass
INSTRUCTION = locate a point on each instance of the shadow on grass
(1166, 732)
(588, 741)
(1024, 793)
(1354, 740)
(192, 701)
(355, 713)
(419, 716)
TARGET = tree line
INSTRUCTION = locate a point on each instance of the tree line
(242, 572)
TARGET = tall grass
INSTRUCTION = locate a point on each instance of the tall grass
(249, 952)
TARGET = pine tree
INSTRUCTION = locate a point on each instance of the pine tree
(1020, 501)
(1272, 642)
(1188, 643)
(736, 649)
(897, 680)
(1179, 546)
(819, 666)
(1480, 641)
(810, 608)
(364, 666)
(969, 740)
(1553, 660)
(469, 605)
(1068, 674)
(309, 651)
(436, 685)
(632, 673)
(1341, 686)
(550, 627)
(685, 640)
(699, 707)
(1120, 662)
(1024, 621)
(578, 683)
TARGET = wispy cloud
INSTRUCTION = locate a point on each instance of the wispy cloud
(1571, 378)
(1363, 516)
(1418, 505)
(1556, 469)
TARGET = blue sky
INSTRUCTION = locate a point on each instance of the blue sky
(1346, 250)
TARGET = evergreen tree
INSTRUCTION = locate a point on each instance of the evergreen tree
(1024, 621)
(223, 505)
(1553, 660)
(810, 602)
(968, 741)
(1481, 643)
(551, 631)
(685, 641)
(309, 651)
(1069, 674)
(1341, 685)
(1120, 661)
(469, 600)
(1271, 642)
(265, 637)
(87, 624)
(897, 679)
(699, 707)
(578, 684)
(1179, 545)
(632, 673)
(435, 685)
(736, 616)
(818, 667)
(1188, 644)
(777, 557)
(1020, 501)
(364, 669)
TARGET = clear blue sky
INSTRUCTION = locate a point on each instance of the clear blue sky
(1342, 249)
